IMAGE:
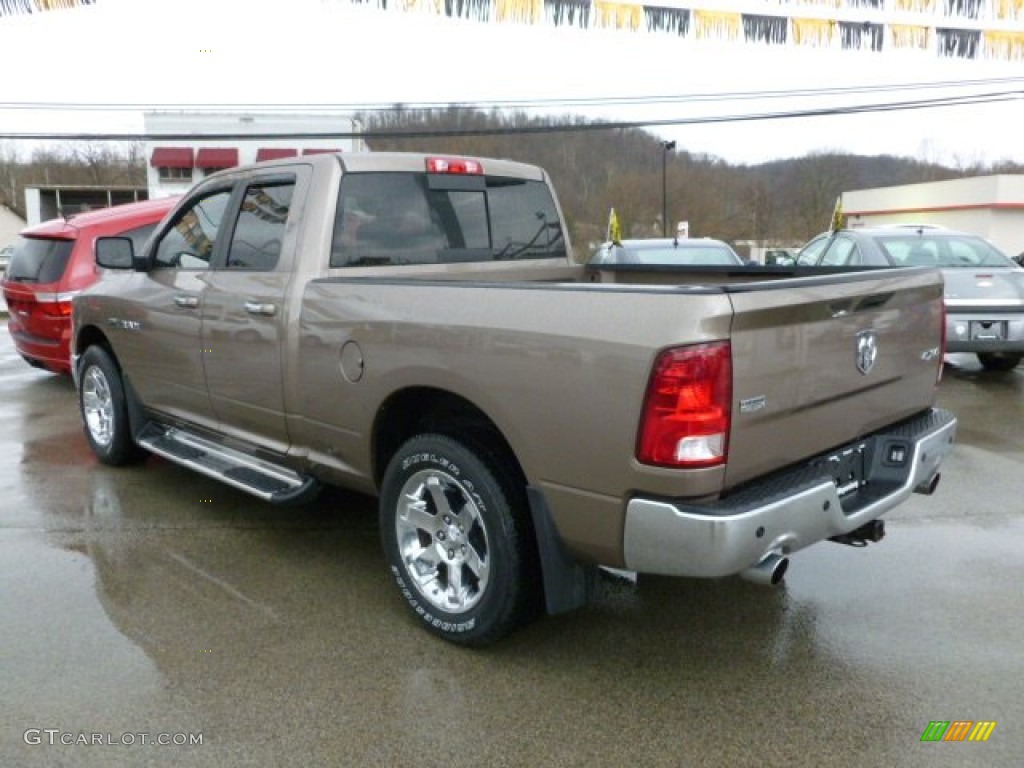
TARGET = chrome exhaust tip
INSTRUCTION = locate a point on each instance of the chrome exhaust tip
(768, 572)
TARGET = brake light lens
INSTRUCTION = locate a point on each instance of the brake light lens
(454, 165)
(688, 408)
(55, 304)
(942, 342)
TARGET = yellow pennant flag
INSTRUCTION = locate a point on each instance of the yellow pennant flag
(838, 220)
(614, 233)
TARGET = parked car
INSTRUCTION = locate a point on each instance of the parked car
(667, 252)
(53, 261)
(984, 287)
(5, 257)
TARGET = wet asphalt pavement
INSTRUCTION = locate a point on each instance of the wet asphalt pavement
(151, 604)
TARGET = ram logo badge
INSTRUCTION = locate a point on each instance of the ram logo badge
(867, 351)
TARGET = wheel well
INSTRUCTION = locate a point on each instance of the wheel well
(422, 409)
(91, 335)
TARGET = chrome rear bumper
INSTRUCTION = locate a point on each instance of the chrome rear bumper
(786, 511)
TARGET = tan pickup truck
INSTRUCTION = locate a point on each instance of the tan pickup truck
(415, 327)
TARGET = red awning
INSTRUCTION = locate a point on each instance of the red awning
(171, 157)
(274, 153)
(320, 151)
(216, 157)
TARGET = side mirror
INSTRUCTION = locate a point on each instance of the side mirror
(117, 253)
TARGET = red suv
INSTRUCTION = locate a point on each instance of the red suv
(55, 260)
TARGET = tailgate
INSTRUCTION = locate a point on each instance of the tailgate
(822, 361)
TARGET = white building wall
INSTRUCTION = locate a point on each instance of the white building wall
(10, 225)
(197, 125)
(33, 206)
(1007, 231)
(990, 206)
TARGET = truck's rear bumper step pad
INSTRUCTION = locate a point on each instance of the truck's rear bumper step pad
(270, 482)
(787, 511)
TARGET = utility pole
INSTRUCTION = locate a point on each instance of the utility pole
(666, 147)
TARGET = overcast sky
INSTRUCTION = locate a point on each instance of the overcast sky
(310, 51)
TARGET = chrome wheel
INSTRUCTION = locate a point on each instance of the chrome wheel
(98, 406)
(442, 541)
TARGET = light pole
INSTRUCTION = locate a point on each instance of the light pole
(666, 147)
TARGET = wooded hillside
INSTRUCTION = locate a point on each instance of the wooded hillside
(594, 167)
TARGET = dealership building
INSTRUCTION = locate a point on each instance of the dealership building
(183, 148)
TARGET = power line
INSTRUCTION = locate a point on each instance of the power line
(949, 101)
(645, 100)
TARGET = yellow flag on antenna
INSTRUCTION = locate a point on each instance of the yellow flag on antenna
(838, 221)
(614, 233)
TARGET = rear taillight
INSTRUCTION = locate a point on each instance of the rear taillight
(687, 410)
(454, 165)
(55, 304)
(942, 342)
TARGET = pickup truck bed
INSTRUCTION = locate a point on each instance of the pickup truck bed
(522, 418)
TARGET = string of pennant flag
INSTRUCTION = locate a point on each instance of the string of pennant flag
(12, 7)
(968, 29)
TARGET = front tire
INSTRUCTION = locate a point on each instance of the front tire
(456, 532)
(997, 361)
(104, 410)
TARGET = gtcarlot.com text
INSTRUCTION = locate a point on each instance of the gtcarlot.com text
(56, 736)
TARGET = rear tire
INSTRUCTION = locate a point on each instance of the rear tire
(457, 536)
(998, 361)
(101, 401)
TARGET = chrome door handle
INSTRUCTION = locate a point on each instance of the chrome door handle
(255, 308)
(189, 302)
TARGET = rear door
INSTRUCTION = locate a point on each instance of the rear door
(244, 317)
(821, 361)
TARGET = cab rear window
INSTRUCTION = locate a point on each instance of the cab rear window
(39, 260)
(419, 218)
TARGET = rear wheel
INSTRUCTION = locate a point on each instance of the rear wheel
(456, 532)
(104, 409)
(998, 361)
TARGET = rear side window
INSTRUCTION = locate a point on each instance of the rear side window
(256, 241)
(39, 260)
(413, 218)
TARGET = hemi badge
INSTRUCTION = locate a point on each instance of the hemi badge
(752, 404)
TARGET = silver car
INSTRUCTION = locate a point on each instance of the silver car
(984, 287)
(690, 252)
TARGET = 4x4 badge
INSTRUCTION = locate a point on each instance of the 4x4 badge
(867, 351)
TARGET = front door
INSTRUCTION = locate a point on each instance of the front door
(171, 306)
